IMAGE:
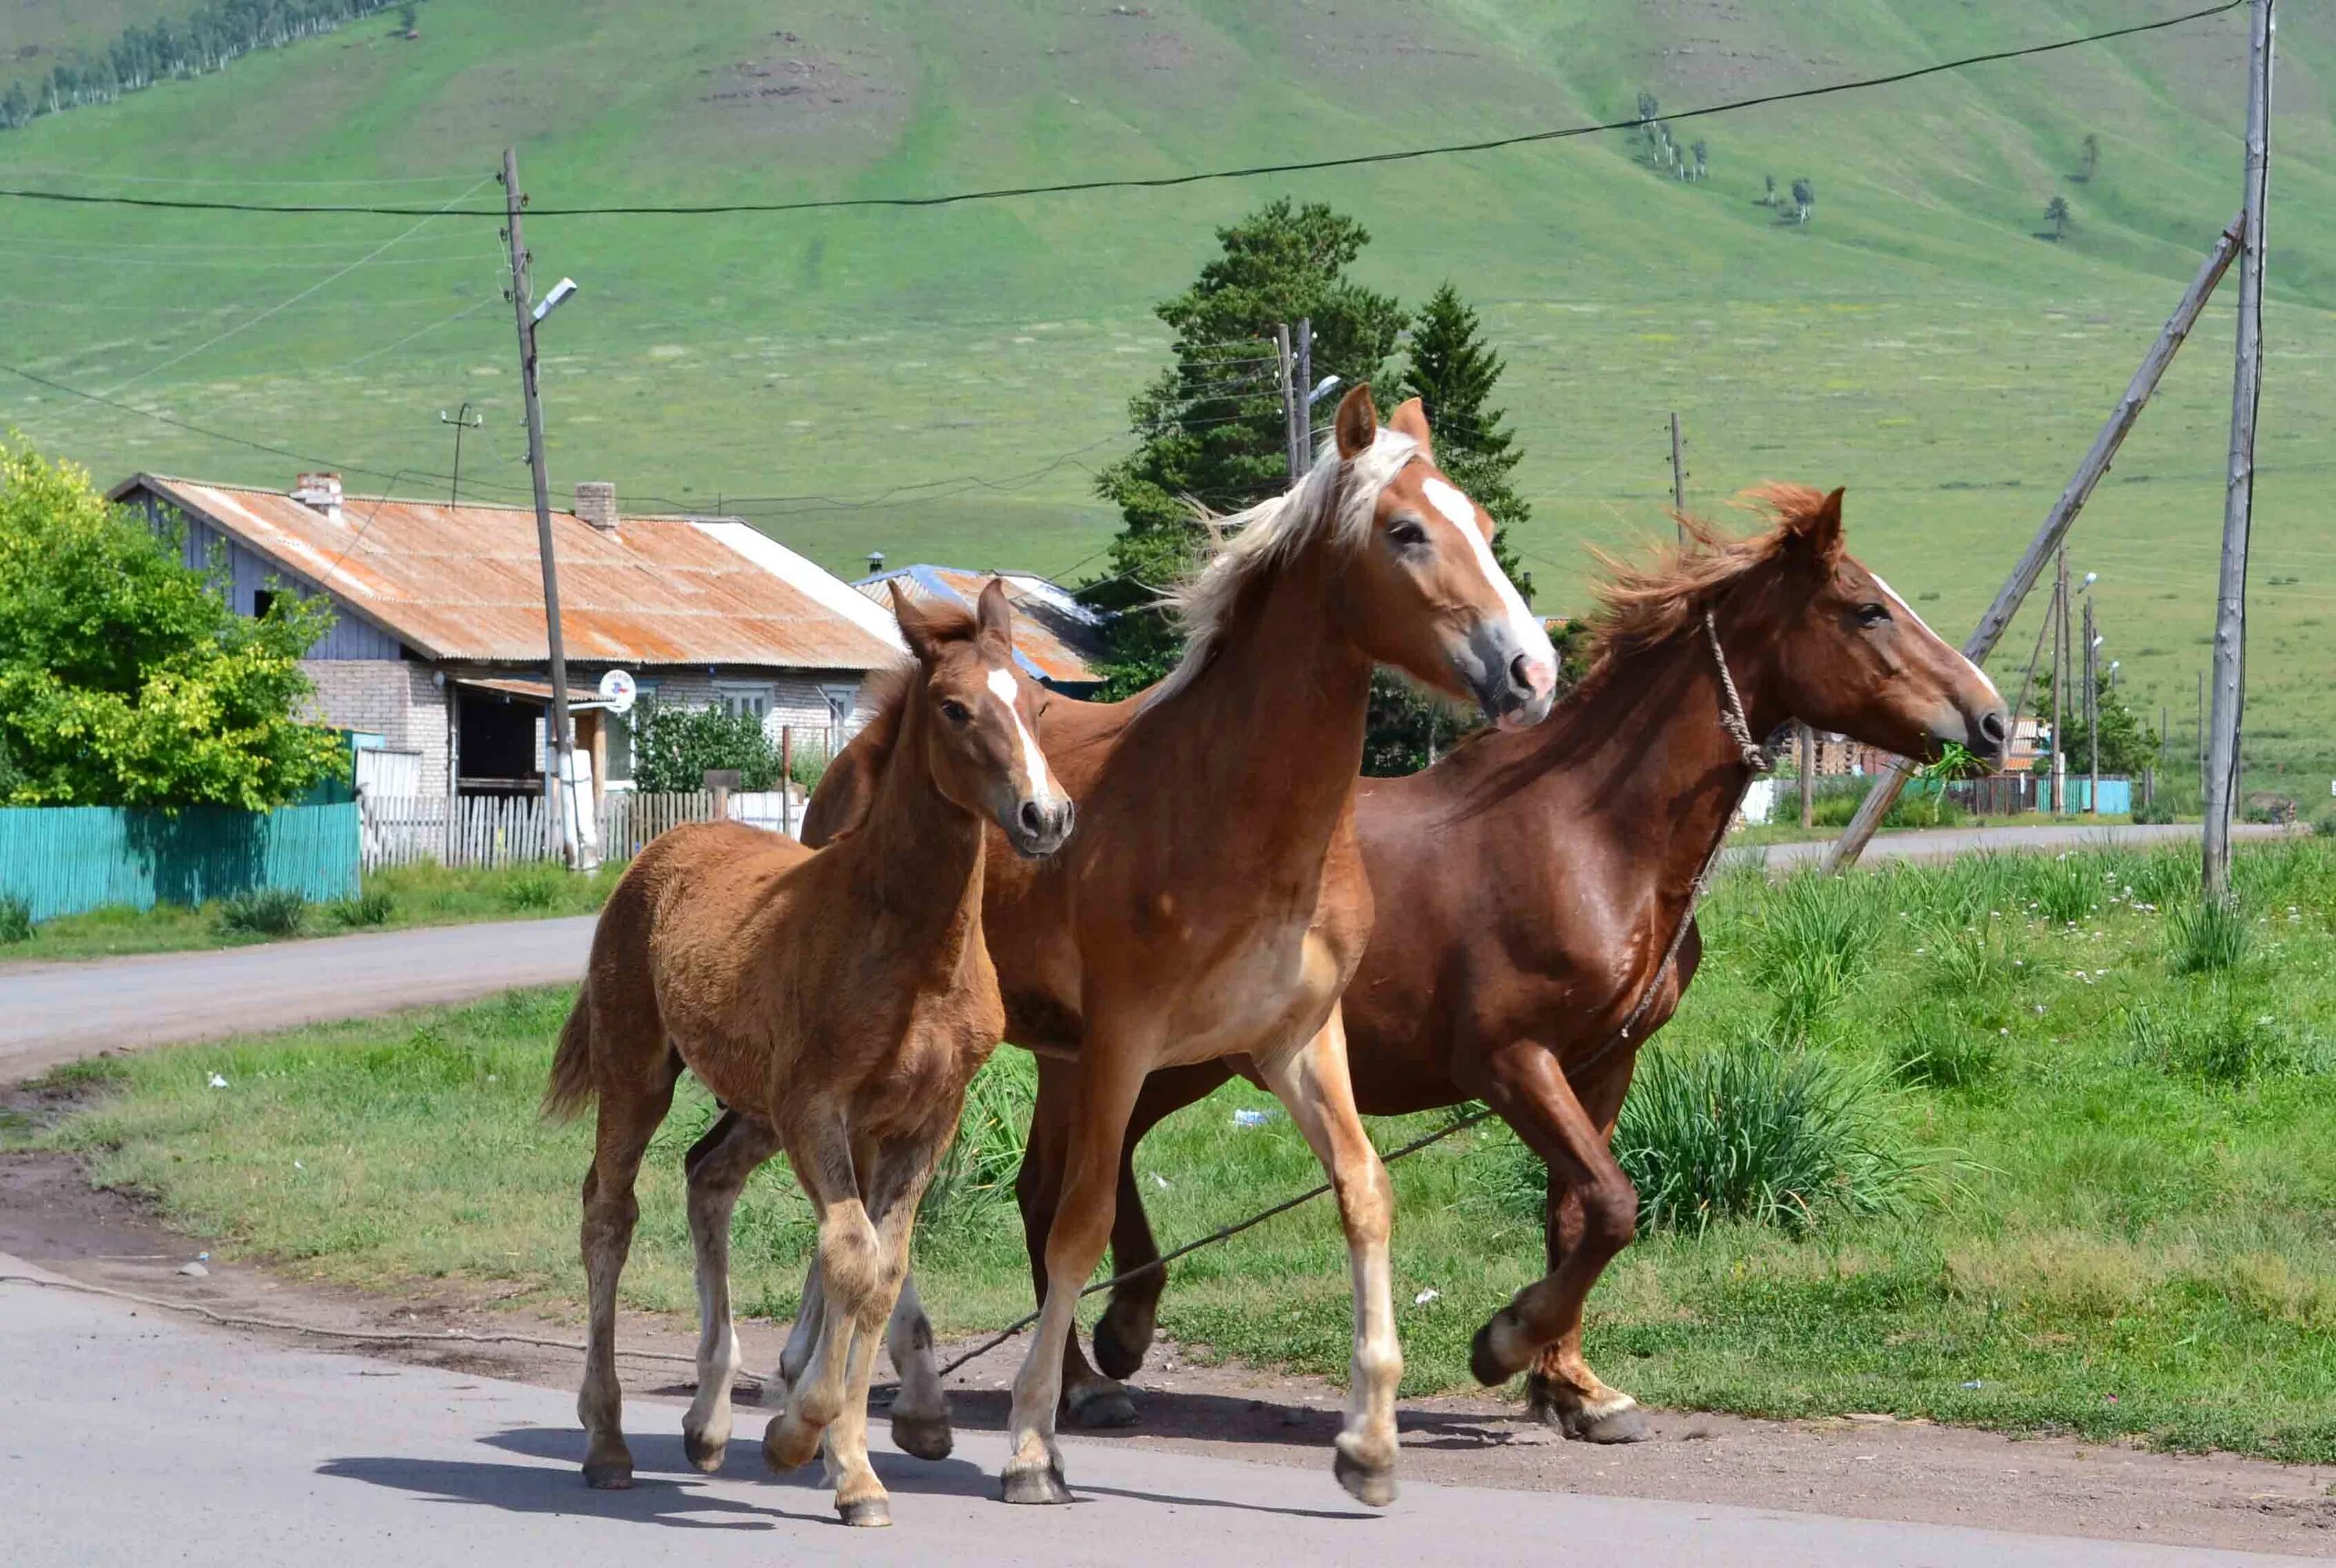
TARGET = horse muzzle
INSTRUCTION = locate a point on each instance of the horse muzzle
(1038, 831)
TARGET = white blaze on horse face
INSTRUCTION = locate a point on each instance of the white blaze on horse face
(1532, 637)
(1916, 617)
(1035, 780)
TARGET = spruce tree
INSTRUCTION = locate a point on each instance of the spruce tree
(1211, 424)
(1452, 372)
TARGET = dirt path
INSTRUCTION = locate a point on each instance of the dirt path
(1871, 1468)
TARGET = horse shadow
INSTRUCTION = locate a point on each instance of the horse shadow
(1230, 1418)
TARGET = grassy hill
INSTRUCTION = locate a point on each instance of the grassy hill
(939, 384)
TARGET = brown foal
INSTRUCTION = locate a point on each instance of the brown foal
(840, 1000)
(1541, 876)
(1214, 904)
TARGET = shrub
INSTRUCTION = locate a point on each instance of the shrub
(265, 912)
(1747, 1132)
(1812, 938)
(2209, 937)
(372, 907)
(2325, 825)
(674, 747)
(535, 887)
(16, 921)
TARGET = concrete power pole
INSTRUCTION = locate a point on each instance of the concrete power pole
(1290, 400)
(560, 782)
(2092, 712)
(2238, 500)
(2061, 684)
(1302, 402)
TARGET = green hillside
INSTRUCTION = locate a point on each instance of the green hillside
(939, 384)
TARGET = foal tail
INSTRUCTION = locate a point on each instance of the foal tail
(571, 1087)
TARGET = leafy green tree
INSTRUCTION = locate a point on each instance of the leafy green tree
(1408, 727)
(2128, 744)
(1768, 197)
(2056, 213)
(675, 746)
(1211, 424)
(1452, 371)
(1804, 201)
(2090, 158)
(125, 677)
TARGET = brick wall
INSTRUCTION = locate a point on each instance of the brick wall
(398, 699)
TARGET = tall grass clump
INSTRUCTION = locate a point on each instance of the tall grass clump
(1747, 1132)
(1945, 1053)
(372, 907)
(2209, 937)
(2065, 889)
(536, 887)
(976, 1176)
(1812, 940)
(16, 921)
(2220, 1042)
(265, 912)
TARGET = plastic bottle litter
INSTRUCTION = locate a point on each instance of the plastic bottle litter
(1430, 1294)
(217, 1082)
(1253, 1118)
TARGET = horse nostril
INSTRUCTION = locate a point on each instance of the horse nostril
(1528, 674)
(1991, 727)
(1034, 820)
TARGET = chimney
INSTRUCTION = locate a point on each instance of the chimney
(875, 562)
(321, 492)
(596, 503)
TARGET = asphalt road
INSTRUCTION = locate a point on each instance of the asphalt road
(127, 1435)
(58, 1012)
(1946, 843)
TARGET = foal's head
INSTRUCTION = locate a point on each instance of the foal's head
(1843, 652)
(978, 718)
(1422, 591)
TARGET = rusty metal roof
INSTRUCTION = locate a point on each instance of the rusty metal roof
(1056, 638)
(464, 582)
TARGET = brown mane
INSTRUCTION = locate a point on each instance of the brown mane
(1647, 602)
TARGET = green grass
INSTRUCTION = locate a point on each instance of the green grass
(402, 896)
(2109, 1214)
(1916, 343)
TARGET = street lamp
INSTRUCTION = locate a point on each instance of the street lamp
(565, 290)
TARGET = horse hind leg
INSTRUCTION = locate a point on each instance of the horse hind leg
(719, 1166)
(1561, 1390)
(629, 1117)
(921, 1415)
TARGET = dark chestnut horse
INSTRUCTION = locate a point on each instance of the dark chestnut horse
(841, 1000)
(1541, 876)
(1212, 903)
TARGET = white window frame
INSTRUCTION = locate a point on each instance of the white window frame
(843, 701)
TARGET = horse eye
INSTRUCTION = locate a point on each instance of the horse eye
(955, 711)
(1873, 614)
(1407, 534)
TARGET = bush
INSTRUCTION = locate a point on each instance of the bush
(2209, 937)
(16, 921)
(1812, 938)
(372, 907)
(265, 912)
(674, 747)
(535, 887)
(1747, 1132)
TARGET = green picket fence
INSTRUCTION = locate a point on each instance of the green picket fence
(65, 860)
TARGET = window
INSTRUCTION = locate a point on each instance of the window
(841, 700)
(263, 600)
(736, 700)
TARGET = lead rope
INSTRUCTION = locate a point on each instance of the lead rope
(1732, 719)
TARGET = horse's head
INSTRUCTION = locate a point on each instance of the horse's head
(1423, 592)
(979, 718)
(1851, 655)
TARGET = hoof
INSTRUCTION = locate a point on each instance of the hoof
(1119, 1347)
(703, 1452)
(1363, 1484)
(786, 1444)
(1626, 1425)
(1483, 1365)
(924, 1437)
(609, 1474)
(1035, 1485)
(867, 1513)
(1103, 1405)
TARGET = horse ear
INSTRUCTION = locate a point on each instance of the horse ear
(1820, 530)
(994, 616)
(1410, 418)
(1358, 423)
(916, 627)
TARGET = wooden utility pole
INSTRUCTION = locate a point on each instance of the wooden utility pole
(2092, 712)
(2238, 497)
(560, 780)
(2060, 686)
(1304, 410)
(1290, 458)
(1678, 487)
(2201, 727)
(2057, 522)
(462, 421)
(1808, 739)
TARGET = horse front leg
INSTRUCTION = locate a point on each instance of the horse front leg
(850, 1274)
(1312, 1082)
(894, 1187)
(717, 1166)
(1125, 1332)
(1089, 1398)
(1592, 1216)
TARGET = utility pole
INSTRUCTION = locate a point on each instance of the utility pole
(1302, 403)
(2201, 734)
(2061, 684)
(1808, 739)
(1678, 484)
(560, 781)
(1290, 401)
(2092, 711)
(2238, 500)
(2057, 523)
(462, 421)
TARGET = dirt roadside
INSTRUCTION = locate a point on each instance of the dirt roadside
(1873, 1467)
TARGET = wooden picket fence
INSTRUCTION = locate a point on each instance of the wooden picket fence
(511, 829)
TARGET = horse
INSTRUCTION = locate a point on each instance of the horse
(1547, 880)
(841, 1000)
(1213, 902)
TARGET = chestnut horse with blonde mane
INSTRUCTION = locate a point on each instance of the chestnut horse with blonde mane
(1212, 903)
(1544, 878)
(841, 1000)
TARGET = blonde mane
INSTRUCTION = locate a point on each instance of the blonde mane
(1646, 602)
(1259, 541)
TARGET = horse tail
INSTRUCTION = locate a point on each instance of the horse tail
(571, 1086)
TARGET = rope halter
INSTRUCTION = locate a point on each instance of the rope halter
(1731, 703)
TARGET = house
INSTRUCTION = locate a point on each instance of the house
(1059, 641)
(438, 653)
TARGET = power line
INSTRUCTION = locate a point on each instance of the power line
(1155, 182)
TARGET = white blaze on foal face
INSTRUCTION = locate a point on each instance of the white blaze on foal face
(1035, 778)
